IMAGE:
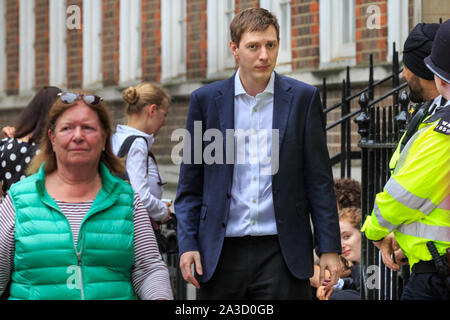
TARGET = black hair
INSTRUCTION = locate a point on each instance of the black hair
(32, 119)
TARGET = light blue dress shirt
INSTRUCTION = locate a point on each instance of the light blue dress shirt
(251, 208)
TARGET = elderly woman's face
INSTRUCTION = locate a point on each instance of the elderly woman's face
(78, 137)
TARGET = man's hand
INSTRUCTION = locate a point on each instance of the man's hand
(388, 246)
(324, 293)
(329, 261)
(186, 260)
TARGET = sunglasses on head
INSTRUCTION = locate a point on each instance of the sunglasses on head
(70, 97)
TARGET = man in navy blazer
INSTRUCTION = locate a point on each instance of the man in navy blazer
(245, 225)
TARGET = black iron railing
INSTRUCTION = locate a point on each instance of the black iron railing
(380, 129)
(346, 154)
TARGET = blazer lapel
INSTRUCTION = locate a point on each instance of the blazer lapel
(281, 106)
(225, 105)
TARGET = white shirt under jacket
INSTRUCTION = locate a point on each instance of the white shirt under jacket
(251, 208)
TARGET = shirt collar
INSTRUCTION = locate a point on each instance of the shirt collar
(437, 104)
(239, 89)
(124, 129)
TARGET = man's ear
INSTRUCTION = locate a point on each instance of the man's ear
(441, 81)
(234, 49)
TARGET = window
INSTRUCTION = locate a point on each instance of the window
(130, 41)
(173, 34)
(282, 10)
(2, 46)
(337, 32)
(398, 25)
(220, 15)
(92, 43)
(58, 45)
(26, 46)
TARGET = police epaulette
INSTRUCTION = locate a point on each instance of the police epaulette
(444, 125)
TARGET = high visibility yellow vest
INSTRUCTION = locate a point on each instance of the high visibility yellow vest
(396, 154)
(415, 202)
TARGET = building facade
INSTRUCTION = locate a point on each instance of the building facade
(107, 45)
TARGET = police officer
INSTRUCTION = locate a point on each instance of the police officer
(415, 202)
(419, 78)
(423, 92)
(421, 84)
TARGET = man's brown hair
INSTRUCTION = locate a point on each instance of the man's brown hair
(252, 19)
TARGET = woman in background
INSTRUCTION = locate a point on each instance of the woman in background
(347, 288)
(74, 230)
(147, 107)
(21, 144)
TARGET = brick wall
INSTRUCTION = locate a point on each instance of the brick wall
(196, 34)
(151, 40)
(305, 39)
(433, 10)
(110, 41)
(370, 40)
(42, 43)
(12, 47)
(240, 5)
(75, 52)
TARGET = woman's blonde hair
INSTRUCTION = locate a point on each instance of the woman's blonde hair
(143, 94)
(47, 155)
(352, 215)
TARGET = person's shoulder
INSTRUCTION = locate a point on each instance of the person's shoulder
(11, 143)
(122, 185)
(442, 120)
(27, 184)
(212, 88)
(297, 84)
(443, 125)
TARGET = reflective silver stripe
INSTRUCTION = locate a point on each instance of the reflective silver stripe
(426, 231)
(381, 220)
(407, 198)
(404, 154)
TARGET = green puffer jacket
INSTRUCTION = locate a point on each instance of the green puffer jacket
(46, 263)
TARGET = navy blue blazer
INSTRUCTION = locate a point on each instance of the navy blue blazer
(302, 187)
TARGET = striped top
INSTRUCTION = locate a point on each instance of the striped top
(150, 275)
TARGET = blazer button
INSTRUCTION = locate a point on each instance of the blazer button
(228, 195)
(224, 225)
